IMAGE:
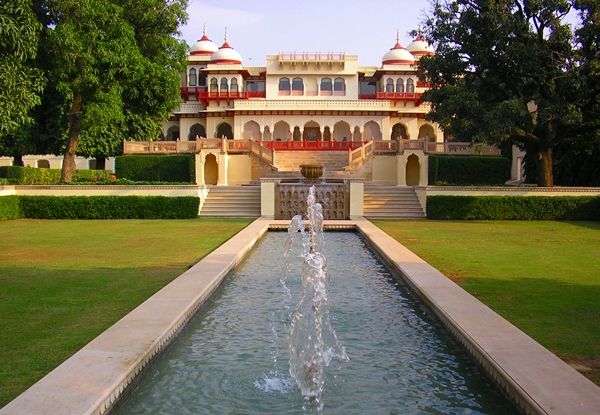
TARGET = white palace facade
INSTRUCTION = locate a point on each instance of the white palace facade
(246, 123)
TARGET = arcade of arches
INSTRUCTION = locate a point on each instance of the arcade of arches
(340, 131)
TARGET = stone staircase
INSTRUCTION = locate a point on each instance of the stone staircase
(232, 201)
(391, 202)
(330, 160)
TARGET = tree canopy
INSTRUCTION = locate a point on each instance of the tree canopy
(514, 71)
(20, 82)
(112, 70)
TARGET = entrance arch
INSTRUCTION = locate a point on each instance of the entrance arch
(427, 133)
(252, 131)
(281, 131)
(372, 131)
(211, 169)
(173, 133)
(224, 129)
(312, 131)
(341, 131)
(413, 170)
(197, 130)
(399, 132)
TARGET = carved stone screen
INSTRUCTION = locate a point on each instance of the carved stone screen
(291, 200)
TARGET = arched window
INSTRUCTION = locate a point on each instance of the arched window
(284, 86)
(389, 85)
(326, 86)
(234, 85)
(410, 85)
(399, 85)
(339, 85)
(201, 79)
(192, 77)
(214, 85)
(297, 86)
(224, 85)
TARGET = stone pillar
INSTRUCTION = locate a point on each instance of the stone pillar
(401, 163)
(268, 187)
(357, 193)
(424, 170)
(199, 162)
(223, 160)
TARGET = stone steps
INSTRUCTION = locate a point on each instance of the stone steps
(391, 202)
(330, 160)
(232, 201)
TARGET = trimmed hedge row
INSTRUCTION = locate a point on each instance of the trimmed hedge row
(9, 208)
(29, 175)
(173, 168)
(513, 207)
(98, 207)
(468, 170)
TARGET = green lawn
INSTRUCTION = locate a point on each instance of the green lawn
(544, 277)
(64, 282)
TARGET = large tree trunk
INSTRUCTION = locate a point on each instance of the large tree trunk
(74, 130)
(18, 160)
(544, 168)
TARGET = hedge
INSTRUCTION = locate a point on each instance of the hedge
(513, 207)
(98, 207)
(468, 170)
(172, 168)
(29, 175)
(9, 208)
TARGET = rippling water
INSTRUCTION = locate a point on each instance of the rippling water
(233, 356)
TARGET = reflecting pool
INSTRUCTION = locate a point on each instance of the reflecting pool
(233, 357)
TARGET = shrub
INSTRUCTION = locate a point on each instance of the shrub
(29, 175)
(513, 207)
(9, 208)
(468, 170)
(172, 168)
(3, 171)
(91, 175)
(109, 207)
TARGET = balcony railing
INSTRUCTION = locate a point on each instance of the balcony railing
(264, 149)
(312, 56)
(392, 96)
(312, 145)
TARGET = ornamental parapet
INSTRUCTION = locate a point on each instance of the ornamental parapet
(318, 105)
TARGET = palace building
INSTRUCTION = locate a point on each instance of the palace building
(365, 122)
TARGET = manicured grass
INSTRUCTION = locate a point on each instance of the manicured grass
(544, 277)
(64, 282)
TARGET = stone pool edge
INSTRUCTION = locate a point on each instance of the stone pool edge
(530, 376)
(94, 378)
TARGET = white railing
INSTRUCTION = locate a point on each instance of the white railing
(357, 156)
(463, 148)
(263, 152)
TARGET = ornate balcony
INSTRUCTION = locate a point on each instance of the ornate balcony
(394, 97)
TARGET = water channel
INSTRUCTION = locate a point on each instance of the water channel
(233, 357)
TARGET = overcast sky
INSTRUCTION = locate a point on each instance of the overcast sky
(258, 28)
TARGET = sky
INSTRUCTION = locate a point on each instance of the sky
(257, 28)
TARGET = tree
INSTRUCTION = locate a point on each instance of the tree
(101, 61)
(507, 71)
(20, 82)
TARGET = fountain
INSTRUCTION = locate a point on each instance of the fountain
(312, 340)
